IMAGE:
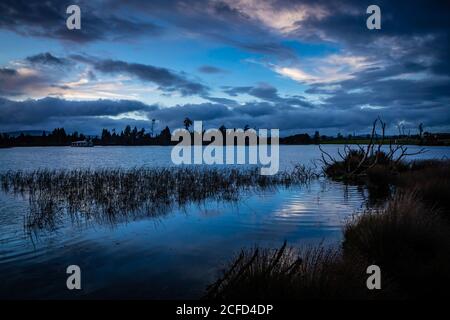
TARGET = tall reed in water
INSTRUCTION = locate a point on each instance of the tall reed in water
(110, 194)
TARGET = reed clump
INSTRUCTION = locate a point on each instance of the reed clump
(114, 194)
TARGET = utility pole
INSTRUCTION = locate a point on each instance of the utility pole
(153, 127)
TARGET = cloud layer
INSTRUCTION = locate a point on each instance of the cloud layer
(316, 64)
(91, 116)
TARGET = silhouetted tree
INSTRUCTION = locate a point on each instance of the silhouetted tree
(58, 137)
(127, 131)
(165, 136)
(106, 137)
(187, 123)
(316, 137)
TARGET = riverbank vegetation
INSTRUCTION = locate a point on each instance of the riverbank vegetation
(408, 237)
(140, 137)
(380, 160)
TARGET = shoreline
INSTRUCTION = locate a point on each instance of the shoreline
(281, 144)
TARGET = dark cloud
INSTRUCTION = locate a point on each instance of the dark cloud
(267, 47)
(35, 73)
(166, 79)
(220, 100)
(47, 73)
(39, 113)
(7, 72)
(408, 82)
(116, 20)
(268, 93)
(13, 83)
(410, 30)
(92, 75)
(203, 111)
(235, 91)
(46, 58)
(210, 69)
(410, 78)
(215, 20)
(265, 92)
(399, 87)
(91, 116)
(48, 19)
(256, 109)
(294, 120)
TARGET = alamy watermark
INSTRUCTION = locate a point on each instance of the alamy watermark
(374, 280)
(227, 146)
(74, 280)
(74, 20)
(374, 20)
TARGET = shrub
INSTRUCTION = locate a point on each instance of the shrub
(407, 238)
(286, 273)
(409, 243)
(430, 181)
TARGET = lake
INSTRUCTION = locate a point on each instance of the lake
(170, 256)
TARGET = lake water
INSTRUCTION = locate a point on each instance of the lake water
(170, 256)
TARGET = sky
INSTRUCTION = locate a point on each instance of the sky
(297, 66)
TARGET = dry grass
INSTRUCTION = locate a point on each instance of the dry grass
(290, 274)
(430, 181)
(408, 238)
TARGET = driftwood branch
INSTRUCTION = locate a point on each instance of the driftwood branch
(369, 156)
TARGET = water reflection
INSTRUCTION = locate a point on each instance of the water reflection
(115, 195)
(174, 255)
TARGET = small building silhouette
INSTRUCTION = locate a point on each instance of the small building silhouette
(82, 143)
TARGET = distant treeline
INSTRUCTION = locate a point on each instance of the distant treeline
(59, 137)
(135, 137)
